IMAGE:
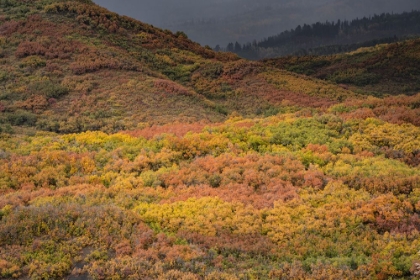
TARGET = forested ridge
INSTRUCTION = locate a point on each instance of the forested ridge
(330, 37)
(130, 152)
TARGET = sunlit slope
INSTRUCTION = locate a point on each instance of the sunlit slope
(295, 194)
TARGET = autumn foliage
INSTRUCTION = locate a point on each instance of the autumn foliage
(307, 196)
(130, 152)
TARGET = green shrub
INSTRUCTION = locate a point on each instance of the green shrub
(48, 89)
(21, 117)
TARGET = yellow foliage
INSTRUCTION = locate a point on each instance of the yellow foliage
(207, 216)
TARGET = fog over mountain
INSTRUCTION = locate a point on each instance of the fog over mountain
(214, 22)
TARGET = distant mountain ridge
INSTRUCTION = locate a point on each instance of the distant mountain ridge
(333, 37)
(215, 22)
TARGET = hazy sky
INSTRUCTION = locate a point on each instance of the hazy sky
(221, 21)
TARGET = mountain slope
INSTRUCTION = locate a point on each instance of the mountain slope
(74, 66)
(383, 69)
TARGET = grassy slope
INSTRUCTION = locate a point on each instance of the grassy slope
(384, 69)
(73, 66)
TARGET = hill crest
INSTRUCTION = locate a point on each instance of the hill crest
(71, 66)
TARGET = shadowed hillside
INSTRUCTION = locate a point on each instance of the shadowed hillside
(383, 69)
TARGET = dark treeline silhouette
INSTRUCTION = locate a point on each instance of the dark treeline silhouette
(332, 37)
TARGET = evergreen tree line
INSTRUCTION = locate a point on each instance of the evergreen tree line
(332, 37)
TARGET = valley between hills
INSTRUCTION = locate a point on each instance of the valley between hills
(131, 152)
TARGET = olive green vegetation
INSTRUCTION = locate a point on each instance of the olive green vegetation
(387, 69)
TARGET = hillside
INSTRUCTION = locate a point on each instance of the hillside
(129, 152)
(383, 69)
(73, 66)
(323, 38)
(298, 195)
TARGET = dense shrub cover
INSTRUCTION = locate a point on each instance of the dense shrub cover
(267, 198)
(129, 152)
